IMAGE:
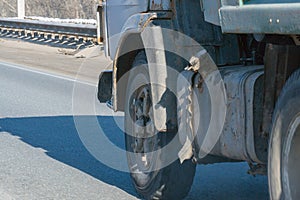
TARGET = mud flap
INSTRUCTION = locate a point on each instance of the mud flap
(184, 114)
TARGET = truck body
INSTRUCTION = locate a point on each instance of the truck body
(221, 77)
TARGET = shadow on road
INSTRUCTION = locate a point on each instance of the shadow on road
(58, 136)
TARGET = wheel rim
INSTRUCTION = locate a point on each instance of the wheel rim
(143, 141)
(291, 161)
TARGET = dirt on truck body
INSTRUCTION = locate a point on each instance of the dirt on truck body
(205, 81)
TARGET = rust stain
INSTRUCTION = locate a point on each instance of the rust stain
(173, 7)
(156, 6)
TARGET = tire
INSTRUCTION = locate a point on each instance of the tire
(284, 148)
(145, 156)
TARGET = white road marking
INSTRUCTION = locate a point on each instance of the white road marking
(46, 74)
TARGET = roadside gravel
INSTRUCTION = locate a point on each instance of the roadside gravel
(85, 65)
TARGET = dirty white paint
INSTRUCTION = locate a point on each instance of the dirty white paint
(21, 9)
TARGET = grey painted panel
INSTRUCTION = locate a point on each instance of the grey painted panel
(160, 5)
(211, 11)
(230, 2)
(262, 18)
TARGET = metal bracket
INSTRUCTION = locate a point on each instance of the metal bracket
(280, 62)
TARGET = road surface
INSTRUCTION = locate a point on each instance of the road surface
(42, 156)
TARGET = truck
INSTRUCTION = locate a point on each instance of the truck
(202, 82)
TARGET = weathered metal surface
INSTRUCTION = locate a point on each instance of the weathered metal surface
(255, 152)
(160, 5)
(134, 24)
(138, 21)
(261, 143)
(185, 113)
(162, 79)
(269, 1)
(191, 21)
(117, 13)
(202, 71)
(223, 49)
(280, 61)
(127, 46)
(211, 11)
(261, 18)
(237, 139)
(229, 2)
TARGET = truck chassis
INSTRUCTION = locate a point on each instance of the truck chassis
(205, 81)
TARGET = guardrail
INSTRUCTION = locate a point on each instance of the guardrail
(85, 31)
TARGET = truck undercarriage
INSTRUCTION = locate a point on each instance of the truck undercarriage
(213, 76)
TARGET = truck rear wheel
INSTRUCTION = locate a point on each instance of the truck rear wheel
(145, 158)
(284, 149)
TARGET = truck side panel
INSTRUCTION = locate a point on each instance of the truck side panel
(117, 13)
(261, 18)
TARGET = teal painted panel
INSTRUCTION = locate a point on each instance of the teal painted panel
(262, 18)
(269, 1)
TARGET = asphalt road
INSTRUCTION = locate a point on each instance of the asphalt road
(42, 156)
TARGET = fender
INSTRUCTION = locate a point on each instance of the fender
(134, 25)
(116, 13)
(129, 42)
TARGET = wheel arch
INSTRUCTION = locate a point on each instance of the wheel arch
(130, 45)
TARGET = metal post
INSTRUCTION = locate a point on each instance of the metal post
(99, 24)
(21, 9)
